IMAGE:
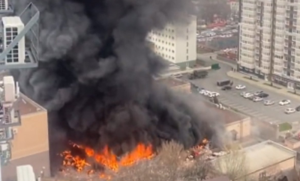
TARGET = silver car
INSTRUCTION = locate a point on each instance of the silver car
(268, 102)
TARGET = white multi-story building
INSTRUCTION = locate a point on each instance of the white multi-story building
(12, 26)
(270, 40)
(176, 43)
(3, 4)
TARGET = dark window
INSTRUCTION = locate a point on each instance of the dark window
(8, 29)
(9, 60)
(15, 29)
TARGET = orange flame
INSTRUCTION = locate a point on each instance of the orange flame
(106, 158)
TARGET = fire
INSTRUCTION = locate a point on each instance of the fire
(105, 157)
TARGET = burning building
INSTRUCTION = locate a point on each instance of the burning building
(95, 77)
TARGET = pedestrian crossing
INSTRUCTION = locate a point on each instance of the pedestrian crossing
(246, 110)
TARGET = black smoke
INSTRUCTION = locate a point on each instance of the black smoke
(95, 74)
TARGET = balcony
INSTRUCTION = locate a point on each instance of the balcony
(6, 134)
(5, 153)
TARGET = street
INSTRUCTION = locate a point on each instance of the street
(274, 113)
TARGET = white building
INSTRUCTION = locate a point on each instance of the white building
(12, 26)
(234, 6)
(270, 40)
(3, 4)
(177, 43)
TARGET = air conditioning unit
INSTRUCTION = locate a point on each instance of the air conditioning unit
(15, 131)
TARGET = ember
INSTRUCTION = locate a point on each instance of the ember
(105, 157)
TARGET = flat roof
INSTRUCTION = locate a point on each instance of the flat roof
(227, 116)
(28, 106)
(12, 21)
(170, 81)
(222, 178)
(262, 155)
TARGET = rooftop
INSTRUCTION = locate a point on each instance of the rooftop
(258, 156)
(170, 81)
(222, 178)
(227, 116)
(28, 106)
(12, 21)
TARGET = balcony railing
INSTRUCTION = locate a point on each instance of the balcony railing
(7, 121)
(5, 153)
(6, 134)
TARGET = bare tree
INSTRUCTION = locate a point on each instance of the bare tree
(233, 165)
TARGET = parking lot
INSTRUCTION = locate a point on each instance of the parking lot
(232, 98)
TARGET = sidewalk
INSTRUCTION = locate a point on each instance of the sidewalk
(260, 83)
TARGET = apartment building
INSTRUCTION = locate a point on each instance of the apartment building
(3, 4)
(176, 43)
(12, 26)
(23, 132)
(269, 43)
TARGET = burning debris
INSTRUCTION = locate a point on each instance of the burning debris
(204, 152)
(83, 158)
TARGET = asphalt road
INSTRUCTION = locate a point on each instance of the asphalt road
(274, 113)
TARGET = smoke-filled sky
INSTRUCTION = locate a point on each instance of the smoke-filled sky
(95, 73)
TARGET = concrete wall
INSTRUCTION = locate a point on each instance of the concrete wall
(292, 143)
(285, 167)
(32, 136)
(242, 127)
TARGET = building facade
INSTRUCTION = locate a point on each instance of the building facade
(23, 134)
(176, 43)
(269, 43)
(12, 26)
(3, 4)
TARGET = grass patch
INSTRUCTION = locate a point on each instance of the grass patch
(250, 79)
(284, 127)
(274, 86)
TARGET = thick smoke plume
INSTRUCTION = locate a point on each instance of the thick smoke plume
(95, 74)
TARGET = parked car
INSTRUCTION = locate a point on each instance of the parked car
(240, 87)
(226, 88)
(284, 102)
(257, 99)
(268, 102)
(298, 108)
(263, 95)
(248, 95)
(243, 94)
(224, 83)
(258, 93)
(290, 110)
(198, 74)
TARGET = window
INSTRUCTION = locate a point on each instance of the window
(187, 57)
(187, 44)
(187, 51)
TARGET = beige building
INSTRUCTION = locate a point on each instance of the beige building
(238, 126)
(262, 160)
(29, 144)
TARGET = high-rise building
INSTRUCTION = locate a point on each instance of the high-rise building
(12, 26)
(3, 4)
(269, 43)
(176, 43)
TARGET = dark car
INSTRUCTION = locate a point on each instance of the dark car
(263, 95)
(226, 88)
(223, 83)
(298, 108)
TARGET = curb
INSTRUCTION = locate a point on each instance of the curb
(258, 84)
